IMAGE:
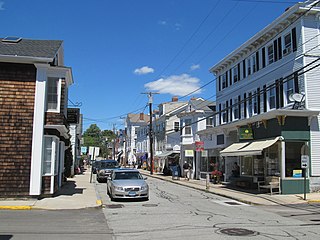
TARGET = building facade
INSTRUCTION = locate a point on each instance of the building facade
(267, 101)
(34, 135)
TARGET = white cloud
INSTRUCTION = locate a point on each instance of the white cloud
(177, 26)
(1, 6)
(175, 85)
(195, 67)
(162, 22)
(143, 70)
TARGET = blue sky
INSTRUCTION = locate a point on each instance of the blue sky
(119, 49)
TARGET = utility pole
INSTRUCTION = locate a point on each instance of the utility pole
(150, 131)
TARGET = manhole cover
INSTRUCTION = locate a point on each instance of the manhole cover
(233, 203)
(114, 206)
(237, 232)
(150, 205)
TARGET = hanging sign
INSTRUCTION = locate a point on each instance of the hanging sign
(188, 153)
(199, 146)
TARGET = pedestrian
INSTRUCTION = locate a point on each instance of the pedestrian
(186, 170)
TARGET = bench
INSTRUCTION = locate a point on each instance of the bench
(270, 182)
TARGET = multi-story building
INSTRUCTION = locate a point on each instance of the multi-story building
(197, 116)
(34, 133)
(133, 122)
(268, 101)
(167, 134)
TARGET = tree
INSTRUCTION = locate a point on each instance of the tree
(94, 137)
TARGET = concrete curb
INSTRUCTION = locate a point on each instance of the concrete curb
(16, 208)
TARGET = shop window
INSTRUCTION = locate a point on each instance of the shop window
(207, 164)
(293, 157)
(50, 155)
(246, 165)
(272, 161)
(258, 168)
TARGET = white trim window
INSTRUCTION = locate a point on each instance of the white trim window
(187, 127)
(272, 98)
(235, 74)
(224, 113)
(270, 54)
(50, 155)
(249, 66)
(289, 90)
(209, 122)
(235, 108)
(254, 63)
(287, 44)
(224, 80)
(53, 94)
(255, 103)
(250, 104)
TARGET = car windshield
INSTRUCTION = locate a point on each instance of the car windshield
(109, 165)
(127, 175)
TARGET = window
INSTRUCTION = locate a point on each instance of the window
(220, 139)
(50, 155)
(235, 74)
(255, 102)
(289, 89)
(272, 98)
(187, 128)
(224, 80)
(236, 109)
(246, 165)
(53, 94)
(249, 66)
(254, 63)
(270, 54)
(176, 126)
(250, 105)
(293, 157)
(209, 122)
(224, 113)
(287, 44)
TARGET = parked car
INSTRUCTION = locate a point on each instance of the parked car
(127, 183)
(105, 168)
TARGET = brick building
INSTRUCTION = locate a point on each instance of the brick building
(33, 107)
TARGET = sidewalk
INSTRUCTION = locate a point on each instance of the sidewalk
(76, 193)
(239, 195)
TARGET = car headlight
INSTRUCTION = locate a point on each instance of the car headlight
(144, 187)
(118, 188)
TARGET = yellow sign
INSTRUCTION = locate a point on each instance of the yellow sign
(188, 153)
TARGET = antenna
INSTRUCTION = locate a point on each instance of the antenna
(298, 98)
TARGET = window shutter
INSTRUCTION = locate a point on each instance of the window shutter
(294, 39)
(263, 57)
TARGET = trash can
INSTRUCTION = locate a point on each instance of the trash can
(175, 172)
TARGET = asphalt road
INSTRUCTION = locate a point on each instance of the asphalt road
(63, 225)
(178, 212)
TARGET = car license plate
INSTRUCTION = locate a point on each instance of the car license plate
(132, 194)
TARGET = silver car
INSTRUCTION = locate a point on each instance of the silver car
(127, 183)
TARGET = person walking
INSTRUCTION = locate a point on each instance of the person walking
(186, 170)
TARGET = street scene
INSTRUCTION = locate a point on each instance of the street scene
(172, 119)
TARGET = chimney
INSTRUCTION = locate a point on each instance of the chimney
(141, 116)
(175, 99)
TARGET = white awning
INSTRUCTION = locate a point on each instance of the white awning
(248, 148)
(167, 153)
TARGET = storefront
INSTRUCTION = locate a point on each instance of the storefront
(209, 161)
(267, 155)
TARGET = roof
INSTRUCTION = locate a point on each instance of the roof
(201, 104)
(278, 25)
(137, 118)
(30, 48)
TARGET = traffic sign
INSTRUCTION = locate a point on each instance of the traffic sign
(304, 161)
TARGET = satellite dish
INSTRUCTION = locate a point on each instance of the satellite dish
(297, 97)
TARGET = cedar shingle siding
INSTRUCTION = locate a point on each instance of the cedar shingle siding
(17, 91)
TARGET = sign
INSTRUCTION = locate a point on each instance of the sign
(297, 173)
(245, 133)
(304, 161)
(199, 146)
(83, 150)
(188, 153)
(73, 115)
